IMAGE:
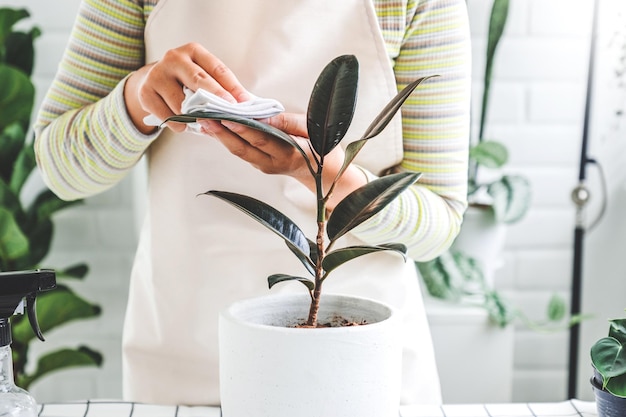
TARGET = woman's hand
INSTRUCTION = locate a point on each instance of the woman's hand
(157, 88)
(271, 155)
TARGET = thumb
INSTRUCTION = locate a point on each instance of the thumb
(290, 123)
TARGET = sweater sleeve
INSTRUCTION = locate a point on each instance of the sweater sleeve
(85, 141)
(435, 41)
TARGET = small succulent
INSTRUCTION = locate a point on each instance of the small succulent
(330, 112)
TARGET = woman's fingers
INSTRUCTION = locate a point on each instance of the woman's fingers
(245, 143)
(290, 123)
(265, 152)
(211, 74)
(160, 88)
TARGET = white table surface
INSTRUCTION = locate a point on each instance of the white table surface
(103, 408)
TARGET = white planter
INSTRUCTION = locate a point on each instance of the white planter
(268, 369)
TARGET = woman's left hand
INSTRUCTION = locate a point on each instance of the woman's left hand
(264, 152)
(271, 155)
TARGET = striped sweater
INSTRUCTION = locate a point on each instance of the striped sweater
(85, 142)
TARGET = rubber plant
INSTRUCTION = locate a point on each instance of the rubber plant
(329, 114)
(608, 356)
(26, 229)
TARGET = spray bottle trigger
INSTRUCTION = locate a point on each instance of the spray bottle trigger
(31, 303)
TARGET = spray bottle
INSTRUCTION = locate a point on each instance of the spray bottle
(18, 289)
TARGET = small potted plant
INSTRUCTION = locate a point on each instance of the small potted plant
(608, 357)
(271, 362)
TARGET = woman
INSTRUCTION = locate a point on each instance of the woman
(129, 59)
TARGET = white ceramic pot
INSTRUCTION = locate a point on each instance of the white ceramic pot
(269, 369)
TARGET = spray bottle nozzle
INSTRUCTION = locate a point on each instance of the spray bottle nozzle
(24, 285)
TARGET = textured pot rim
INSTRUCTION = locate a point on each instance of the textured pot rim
(597, 387)
(391, 314)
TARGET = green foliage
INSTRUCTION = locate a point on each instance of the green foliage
(456, 277)
(490, 154)
(26, 230)
(497, 23)
(330, 112)
(511, 197)
(510, 194)
(506, 196)
(608, 356)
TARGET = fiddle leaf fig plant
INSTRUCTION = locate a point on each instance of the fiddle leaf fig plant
(329, 114)
(608, 356)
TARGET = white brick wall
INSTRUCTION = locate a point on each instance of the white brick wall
(536, 109)
(537, 104)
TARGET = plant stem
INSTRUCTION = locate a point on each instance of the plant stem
(319, 273)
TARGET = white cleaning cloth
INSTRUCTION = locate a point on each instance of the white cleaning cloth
(202, 100)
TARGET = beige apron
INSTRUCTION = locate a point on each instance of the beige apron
(197, 254)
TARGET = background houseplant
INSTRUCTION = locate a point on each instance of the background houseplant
(505, 196)
(496, 199)
(26, 227)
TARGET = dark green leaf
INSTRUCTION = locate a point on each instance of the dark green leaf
(9, 200)
(609, 357)
(511, 198)
(389, 111)
(45, 205)
(78, 271)
(332, 103)
(617, 330)
(617, 386)
(12, 141)
(338, 257)
(314, 253)
(269, 217)
(40, 238)
(22, 169)
(497, 22)
(59, 360)
(13, 242)
(276, 278)
(20, 51)
(17, 95)
(56, 308)
(307, 261)
(251, 123)
(489, 153)
(8, 18)
(380, 122)
(367, 201)
(556, 309)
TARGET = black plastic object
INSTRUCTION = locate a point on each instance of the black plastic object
(22, 285)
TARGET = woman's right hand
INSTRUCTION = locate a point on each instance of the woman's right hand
(157, 88)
